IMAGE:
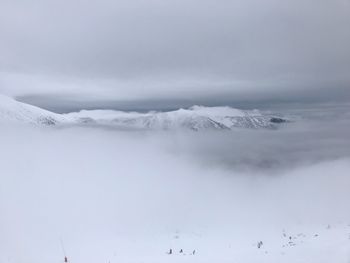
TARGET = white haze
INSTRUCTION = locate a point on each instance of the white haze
(116, 196)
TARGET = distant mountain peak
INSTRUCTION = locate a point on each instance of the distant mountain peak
(194, 118)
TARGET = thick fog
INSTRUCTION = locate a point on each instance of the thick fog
(271, 151)
(109, 193)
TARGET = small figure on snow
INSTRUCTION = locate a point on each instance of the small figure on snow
(260, 243)
(170, 252)
(181, 251)
(194, 252)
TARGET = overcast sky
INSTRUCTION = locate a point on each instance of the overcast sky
(162, 49)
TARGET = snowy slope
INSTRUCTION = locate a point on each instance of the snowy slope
(18, 112)
(194, 118)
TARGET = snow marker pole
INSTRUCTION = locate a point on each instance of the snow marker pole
(64, 251)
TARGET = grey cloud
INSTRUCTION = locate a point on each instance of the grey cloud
(135, 49)
(316, 135)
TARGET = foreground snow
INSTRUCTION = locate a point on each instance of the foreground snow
(297, 243)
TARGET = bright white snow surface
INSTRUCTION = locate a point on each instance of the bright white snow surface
(195, 118)
(17, 112)
(121, 196)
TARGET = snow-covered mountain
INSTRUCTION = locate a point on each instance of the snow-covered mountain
(17, 112)
(195, 118)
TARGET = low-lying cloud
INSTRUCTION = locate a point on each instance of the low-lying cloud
(101, 189)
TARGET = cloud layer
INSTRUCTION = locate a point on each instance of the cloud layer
(109, 193)
(163, 49)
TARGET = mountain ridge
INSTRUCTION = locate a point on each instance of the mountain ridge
(194, 118)
(17, 112)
